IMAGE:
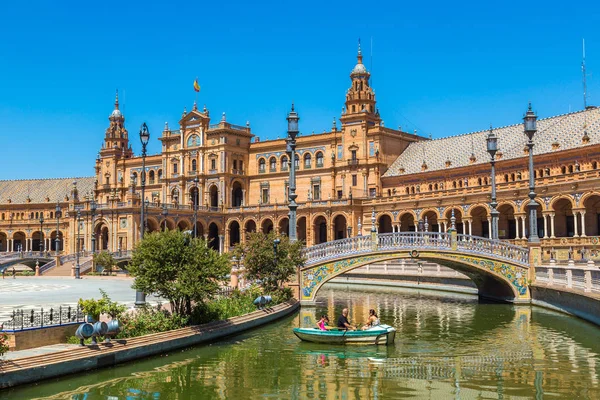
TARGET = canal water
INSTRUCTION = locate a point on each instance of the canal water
(448, 346)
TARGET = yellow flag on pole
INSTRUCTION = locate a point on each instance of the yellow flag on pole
(196, 85)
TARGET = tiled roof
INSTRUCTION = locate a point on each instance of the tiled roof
(567, 130)
(39, 189)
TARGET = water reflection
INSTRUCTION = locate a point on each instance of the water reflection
(447, 346)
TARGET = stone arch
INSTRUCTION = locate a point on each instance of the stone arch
(431, 216)
(3, 242)
(480, 225)
(319, 229)
(19, 241)
(237, 194)
(284, 226)
(564, 224)
(429, 211)
(340, 226)
(384, 223)
(507, 221)
(301, 230)
(36, 241)
(494, 279)
(152, 224)
(213, 236)
(250, 226)
(199, 229)
(458, 215)
(524, 207)
(235, 233)
(408, 221)
(175, 195)
(591, 204)
(266, 225)
(558, 198)
(169, 223)
(184, 225)
(262, 165)
(194, 196)
(273, 164)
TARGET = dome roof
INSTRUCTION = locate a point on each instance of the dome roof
(359, 69)
(116, 113)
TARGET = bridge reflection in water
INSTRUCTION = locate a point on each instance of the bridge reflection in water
(447, 346)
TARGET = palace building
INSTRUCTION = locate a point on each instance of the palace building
(220, 177)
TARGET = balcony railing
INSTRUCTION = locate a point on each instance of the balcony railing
(353, 162)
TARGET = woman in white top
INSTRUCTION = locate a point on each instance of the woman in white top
(373, 320)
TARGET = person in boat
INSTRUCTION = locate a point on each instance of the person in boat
(373, 320)
(343, 322)
(323, 322)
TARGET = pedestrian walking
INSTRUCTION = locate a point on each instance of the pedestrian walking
(3, 273)
(14, 273)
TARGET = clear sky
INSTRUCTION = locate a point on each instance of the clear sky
(443, 68)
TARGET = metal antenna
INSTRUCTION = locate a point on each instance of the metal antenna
(371, 61)
(584, 78)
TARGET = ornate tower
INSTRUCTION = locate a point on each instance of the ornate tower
(360, 98)
(116, 140)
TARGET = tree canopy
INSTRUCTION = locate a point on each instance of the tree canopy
(263, 264)
(177, 267)
(105, 259)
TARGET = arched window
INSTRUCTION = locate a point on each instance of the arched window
(563, 170)
(479, 181)
(307, 161)
(51, 214)
(283, 164)
(407, 190)
(273, 164)
(160, 174)
(319, 157)
(194, 165)
(535, 174)
(436, 186)
(2, 216)
(151, 176)
(512, 177)
(412, 189)
(261, 165)
(505, 177)
(519, 176)
(389, 192)
(454, 185)
(594, 165)
(297, 162)
(547, 172)
(430, 187)
(570, 169)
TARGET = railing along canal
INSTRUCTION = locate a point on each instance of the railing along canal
(31, 319)
(416, 240)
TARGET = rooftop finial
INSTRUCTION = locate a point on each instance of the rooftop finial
(359, 56)
(529, 109)
(292, 106)
(117, 100)
(195, 106)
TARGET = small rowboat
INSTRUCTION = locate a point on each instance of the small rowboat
(380, 334)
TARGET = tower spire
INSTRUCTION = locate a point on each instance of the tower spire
(359, 55)
(117, 100)
(584, 77)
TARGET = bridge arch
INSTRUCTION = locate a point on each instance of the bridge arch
(499, 270)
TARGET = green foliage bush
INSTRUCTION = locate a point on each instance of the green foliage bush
(104, 305)
(26, 273)
(150, 320)
(3, 343)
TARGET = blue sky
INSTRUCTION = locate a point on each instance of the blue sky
(442, 68)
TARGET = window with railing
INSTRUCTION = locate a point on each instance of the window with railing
(283, 163)
(261, 166)
(297, 162)
(273, 164)
(319, 157)
(307, 161)
(317, 192)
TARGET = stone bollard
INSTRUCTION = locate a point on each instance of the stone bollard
(552, 261)
(591, 264)
(571, 262)
(37, 268)
(569, 278)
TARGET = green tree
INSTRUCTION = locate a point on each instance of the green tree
(178, 268)
(261, 262)
(105, 259)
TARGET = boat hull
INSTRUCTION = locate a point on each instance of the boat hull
(382, 334)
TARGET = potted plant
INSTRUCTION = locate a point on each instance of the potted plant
(92, 308)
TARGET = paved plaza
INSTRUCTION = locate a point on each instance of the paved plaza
(51, 292)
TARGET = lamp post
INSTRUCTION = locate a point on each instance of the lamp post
(195, 206)
(530, 125)
(292, 119)
(492, 148)
(349, 230)
(58, 213)
(78, 218)
(140, 297)
(164, 214)
(42, 233)
(93, 208)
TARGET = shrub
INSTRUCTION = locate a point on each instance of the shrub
(92, 307)
(3, 343)
(150, 320)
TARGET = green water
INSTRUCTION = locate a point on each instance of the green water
(447, 347)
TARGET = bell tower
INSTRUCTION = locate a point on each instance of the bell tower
(360, 98)
(116, 140)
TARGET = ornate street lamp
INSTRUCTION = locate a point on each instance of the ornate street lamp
(78, 222)
(140, 297)
(164, 214)
(530, 125)
(93, 208)
(58, 213)
(42, 233)
(292, 119)
(492, 148)
(195, 200)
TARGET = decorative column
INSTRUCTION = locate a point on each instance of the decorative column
(470, 227)
(490, 234)
(552, 225)
(575, 217)
(517, 228)
(292, 119)
(582, 213)
(523, 233)
(545, 226)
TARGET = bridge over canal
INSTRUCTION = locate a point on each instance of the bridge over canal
(500, 270)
